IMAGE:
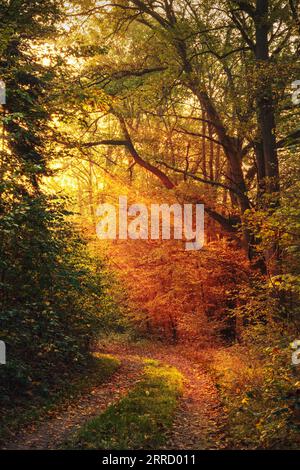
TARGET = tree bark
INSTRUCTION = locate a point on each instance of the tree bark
(265, 104)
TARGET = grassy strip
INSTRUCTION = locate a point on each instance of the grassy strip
(139, 420)
(100, 368)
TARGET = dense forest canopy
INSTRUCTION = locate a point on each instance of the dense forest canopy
(217, 93)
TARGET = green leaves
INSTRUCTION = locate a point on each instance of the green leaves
(54, 297)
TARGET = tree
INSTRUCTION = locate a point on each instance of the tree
(53, 296)
(205, 53)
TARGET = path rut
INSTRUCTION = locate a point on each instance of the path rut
(50, 434)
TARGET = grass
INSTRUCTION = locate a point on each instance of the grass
(139, 420)
(97, 371)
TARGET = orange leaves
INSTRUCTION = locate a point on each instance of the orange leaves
(176, 294)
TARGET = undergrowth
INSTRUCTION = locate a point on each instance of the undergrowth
(77, 383)
(259, 391)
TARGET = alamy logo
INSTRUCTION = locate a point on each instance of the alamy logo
(136, 223)
(296, 354)
(2, 353)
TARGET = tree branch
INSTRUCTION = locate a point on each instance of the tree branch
(140, 161)
(289, 140)
(246, 7)
(198, 178)
(197, 134)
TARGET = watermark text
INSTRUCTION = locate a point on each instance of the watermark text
(162, 221)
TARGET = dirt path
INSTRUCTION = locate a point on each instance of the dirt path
(198, 420)
(53, 432)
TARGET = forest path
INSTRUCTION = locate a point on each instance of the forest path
(197, 422)
(52, 432)
(199, 419)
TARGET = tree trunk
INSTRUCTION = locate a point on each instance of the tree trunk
(266, 120)
(265, 105)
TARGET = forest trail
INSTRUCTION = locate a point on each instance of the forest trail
(196, 424)
(199, 419)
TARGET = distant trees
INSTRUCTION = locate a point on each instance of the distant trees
(181, 297)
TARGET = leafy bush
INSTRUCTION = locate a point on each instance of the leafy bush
(258, 384)
(54, 297)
